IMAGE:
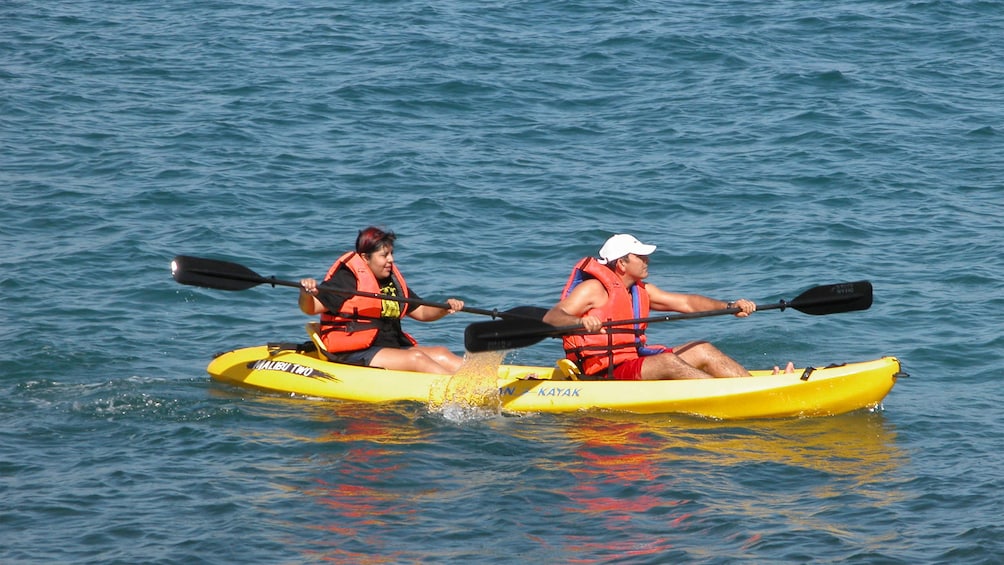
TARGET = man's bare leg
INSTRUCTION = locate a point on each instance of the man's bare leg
(706, 357)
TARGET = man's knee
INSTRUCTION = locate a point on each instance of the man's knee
(695, 346)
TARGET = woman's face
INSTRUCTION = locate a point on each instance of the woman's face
(381, 261)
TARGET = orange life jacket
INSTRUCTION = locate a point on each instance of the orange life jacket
(353, 328)
(598, 353)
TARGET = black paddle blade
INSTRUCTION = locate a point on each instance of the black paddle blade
(834, 298)
(524, 313)
(505, 334)
(211, 273)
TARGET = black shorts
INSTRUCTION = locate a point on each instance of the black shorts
(362, 358)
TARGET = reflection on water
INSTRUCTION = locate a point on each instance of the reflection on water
(657, 481)
(352, 488)
(862, 444)
(617, 477)
(651, 488)
(359, 513)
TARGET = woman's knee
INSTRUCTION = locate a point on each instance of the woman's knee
(409, 359)
(440, 352)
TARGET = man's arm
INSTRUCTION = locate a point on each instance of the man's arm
(570, 311)
(663, 301)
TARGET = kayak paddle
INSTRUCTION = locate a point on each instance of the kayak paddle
(817, 301)
(224, 275)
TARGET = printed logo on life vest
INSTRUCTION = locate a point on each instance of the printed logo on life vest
(541, 391)
(291, 368)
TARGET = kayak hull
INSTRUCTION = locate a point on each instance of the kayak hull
(804, 393)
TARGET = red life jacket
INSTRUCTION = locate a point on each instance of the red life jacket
(598, 353)
(353, 327)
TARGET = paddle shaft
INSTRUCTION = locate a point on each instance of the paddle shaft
(781, 305)
(405, 299)
(817, 301)
(224, 275)
(562, 330)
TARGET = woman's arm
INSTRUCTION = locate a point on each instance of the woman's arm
(426, 313)
(309, 304)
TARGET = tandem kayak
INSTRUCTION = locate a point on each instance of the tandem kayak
(825, 391)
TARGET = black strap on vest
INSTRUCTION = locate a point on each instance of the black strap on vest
(586, 351)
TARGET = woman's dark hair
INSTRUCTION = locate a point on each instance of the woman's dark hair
(373, 239)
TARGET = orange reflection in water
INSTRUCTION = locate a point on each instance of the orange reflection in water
(620, 457)
(625, 466)
(360, 506)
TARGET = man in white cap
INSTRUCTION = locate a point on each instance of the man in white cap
(612, 288)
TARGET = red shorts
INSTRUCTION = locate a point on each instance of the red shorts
(631, 370)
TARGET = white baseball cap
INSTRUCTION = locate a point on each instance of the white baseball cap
(620, 245)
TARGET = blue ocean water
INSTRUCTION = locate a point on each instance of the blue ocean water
(764, 147)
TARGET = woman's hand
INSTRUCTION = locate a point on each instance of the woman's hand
(309, 286)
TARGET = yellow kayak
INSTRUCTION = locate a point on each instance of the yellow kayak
(807, 392)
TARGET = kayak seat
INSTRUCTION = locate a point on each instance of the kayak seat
(568, 370)
(314, 331)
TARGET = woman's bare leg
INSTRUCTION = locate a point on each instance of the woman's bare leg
(444, 357)
(416, 359)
